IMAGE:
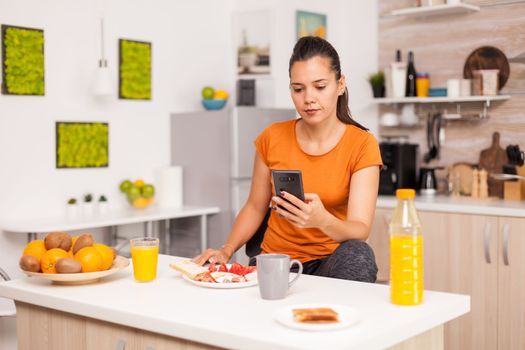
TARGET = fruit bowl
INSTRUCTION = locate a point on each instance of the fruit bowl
(214, 104)
(138, 193)
(141, 202)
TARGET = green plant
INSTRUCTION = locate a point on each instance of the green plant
(135, 70)
(377, 79)
(247, 49)
(88, 197)
(72, 201)
(23, 60)
(82, 145)
(102, 198)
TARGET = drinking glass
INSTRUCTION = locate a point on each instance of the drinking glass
(144, 255)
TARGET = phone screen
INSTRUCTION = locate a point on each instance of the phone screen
(289, 181)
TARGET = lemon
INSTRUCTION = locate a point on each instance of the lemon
(139, 183)
(221, 95)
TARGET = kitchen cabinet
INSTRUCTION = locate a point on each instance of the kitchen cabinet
(479, 255)
(379, 240)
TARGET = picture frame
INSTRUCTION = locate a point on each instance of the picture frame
(23, 66)
(82, 144)
(310, 23)
(134, 69)
(252, 38)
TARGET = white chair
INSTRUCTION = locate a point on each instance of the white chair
(7, 306)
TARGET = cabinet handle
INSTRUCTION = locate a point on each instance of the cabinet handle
(386, 220)
(121, 344)
(506, 244)
(486, 242)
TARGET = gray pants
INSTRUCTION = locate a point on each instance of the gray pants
(352, 260)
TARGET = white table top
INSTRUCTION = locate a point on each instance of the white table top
(122, 217)
(465, 205)
(239, 318)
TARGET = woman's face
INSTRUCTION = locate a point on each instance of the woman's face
(315, 89)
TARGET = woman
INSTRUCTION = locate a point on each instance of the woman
(340, 163)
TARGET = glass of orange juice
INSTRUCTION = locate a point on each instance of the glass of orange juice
(144, 255)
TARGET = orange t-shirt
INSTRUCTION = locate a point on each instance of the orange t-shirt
(328, 175)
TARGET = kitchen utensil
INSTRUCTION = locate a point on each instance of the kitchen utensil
(427, 181)
(389, 119)
(516, 156)
(487, 57)
(273, 272)
(433, 131)
(408, 115)
(465, 175)
(492, 159)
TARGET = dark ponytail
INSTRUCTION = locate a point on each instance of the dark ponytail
(311, 46)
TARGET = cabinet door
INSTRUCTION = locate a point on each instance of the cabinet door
(457, 250)
(511, 282)
(105, 335)
(379, 240)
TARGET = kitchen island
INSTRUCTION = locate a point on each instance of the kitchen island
(168, 313)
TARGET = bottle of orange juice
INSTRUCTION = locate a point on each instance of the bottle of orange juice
(406, 252)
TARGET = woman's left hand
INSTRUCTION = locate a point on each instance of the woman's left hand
(310, 213)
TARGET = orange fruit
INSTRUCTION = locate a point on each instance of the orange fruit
(139, 183)
(35, 248)
(73, 240)
(142, 202)
(50, 258)
(107, 255)
(90, 259)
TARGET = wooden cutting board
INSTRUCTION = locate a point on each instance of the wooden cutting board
(492, 159)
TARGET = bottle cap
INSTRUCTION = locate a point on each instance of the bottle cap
(422, 75)
(405, 193)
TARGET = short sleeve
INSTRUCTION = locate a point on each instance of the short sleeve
(262, 144)
(369, 154)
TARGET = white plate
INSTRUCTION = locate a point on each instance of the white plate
(347, 317)
(251, 277)
(119, 263)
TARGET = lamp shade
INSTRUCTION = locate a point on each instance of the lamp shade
(103, 84)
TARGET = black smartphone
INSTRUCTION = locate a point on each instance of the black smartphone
(290, 181)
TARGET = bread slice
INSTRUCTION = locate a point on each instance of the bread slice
(315, 315)
(189, 268)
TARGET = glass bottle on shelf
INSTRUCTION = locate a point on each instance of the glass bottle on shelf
(411, 88)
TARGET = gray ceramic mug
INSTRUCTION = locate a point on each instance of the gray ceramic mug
(273, 271)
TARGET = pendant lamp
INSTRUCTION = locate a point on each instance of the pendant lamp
(103, 85)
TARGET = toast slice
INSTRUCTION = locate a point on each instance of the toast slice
(315, 315)
(189, 268)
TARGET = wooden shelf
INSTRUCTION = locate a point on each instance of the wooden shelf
(436, 10)
(444, 99)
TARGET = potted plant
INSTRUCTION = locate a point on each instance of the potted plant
(72, 208)
(103, 205)
(377, 81)
(87, 206)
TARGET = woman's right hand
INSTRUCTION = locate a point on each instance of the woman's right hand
(213, 256)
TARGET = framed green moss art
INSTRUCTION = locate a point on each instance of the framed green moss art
(134, 70)
(82, 145)
(23, 61)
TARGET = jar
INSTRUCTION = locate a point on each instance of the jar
(422, 84)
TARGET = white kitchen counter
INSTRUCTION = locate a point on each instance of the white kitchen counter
(239, 318)
(458, 205)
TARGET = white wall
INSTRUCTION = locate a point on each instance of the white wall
(192, 47)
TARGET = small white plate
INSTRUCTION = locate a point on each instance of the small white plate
(251, 277)
(347, 317)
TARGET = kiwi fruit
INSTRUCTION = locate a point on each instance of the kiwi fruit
(29, 263)
(58, 240)
(68, 265)
(84, 240)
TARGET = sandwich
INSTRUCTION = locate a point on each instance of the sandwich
(193, 271)
(315, 315)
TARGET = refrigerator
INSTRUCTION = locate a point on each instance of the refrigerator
(216, 152)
